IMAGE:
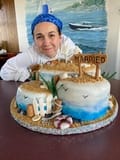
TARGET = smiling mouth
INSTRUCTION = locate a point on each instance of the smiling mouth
(47, 49)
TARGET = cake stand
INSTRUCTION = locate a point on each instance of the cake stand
(47, 127)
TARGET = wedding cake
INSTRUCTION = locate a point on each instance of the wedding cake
(66, 98)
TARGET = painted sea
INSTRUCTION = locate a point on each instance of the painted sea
(90, 40)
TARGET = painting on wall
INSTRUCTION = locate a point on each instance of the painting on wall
(84, 21)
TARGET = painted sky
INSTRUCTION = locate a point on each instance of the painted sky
(59, 5)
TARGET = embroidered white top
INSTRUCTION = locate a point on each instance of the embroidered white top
(16, 68)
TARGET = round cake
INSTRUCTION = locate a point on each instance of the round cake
(74, 99)
(84, 98)
(80, 106)
(57, 67)
(35, 96)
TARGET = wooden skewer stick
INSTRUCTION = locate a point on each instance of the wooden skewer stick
(97, 71)
(79, 65)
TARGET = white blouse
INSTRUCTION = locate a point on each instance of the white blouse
(16, 68)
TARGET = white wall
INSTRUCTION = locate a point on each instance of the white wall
(113, 39)
(21, 26)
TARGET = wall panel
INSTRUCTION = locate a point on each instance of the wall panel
(8, 29)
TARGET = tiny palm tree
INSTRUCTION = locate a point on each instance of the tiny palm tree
(108, 75)
(51, 85)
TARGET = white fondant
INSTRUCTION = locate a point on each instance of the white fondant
(39, 104)
(48, 74)
(63, 75)
(49, 103)
(42, 101)
(64, 125)
(90, 70)
(86, 95)
(36, 118)
(63, 122)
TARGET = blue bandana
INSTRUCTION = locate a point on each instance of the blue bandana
(46, 18)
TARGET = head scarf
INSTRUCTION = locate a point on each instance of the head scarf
(46, 18)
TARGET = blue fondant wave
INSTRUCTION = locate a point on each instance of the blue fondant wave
(82, 115)
(22, 106)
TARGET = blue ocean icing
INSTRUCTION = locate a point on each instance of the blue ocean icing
(81, 114)
(22, 106)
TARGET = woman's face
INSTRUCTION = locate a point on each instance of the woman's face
(47, 38)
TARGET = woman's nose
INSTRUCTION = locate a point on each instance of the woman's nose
(46, 41)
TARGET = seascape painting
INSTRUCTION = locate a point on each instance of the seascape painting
(84, 21)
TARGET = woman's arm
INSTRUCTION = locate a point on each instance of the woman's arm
(15, 68)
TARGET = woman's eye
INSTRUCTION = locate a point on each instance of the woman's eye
(39, 37)
(52, 35)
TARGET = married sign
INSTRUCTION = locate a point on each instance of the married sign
(96, 59)
(93, 58)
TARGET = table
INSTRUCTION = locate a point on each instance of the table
(18, 143)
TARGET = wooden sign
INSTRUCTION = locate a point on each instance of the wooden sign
(93, 58)
(96, 59)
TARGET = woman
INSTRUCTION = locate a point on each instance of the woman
(49, 44)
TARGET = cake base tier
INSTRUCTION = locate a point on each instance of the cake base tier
(47, 127)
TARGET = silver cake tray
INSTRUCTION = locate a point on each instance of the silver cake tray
(76, 128)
